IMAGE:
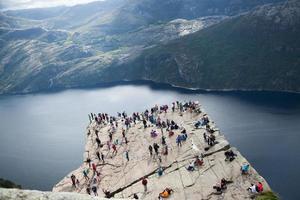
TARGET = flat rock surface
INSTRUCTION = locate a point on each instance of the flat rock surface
(123, 178)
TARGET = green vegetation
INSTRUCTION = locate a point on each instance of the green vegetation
(8, 184)
(258, 50)
(267, 196)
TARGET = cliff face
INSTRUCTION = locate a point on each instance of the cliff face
(16, 194)
(90, 44)
(123, 177)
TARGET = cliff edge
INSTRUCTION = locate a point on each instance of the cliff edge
(117, 157)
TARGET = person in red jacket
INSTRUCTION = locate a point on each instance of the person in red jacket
(114, 149)
(260, 187)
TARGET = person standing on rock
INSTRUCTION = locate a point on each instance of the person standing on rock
(85, 175)
(98, 155)
(94, 167)
(94, 189)
(156, 147)
(98, 142)
(114, 149)
(150, 150)
(102, 157)
(88, 190)
(127, 155)
(144, 183)
(178, 141)
(73, 178)
(145, 123)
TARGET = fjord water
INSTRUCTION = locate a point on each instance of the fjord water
(42, 135)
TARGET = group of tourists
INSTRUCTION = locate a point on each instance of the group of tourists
(154, 118)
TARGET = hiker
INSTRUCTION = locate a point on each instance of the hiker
(110, 136)
(135, 196)
(165, 194)
(252, 189)
(98, 155)
(102, 157)
(88, 160)
(145, 123)
(144, 183)
(94, 189)
(245, 168)
(150, 150)
(98, 142)
(153, 133)
(191, 166)
(107, 193)
(88, 190)
(114, 149)
(160, 171)
(260, 187)
(178, 140)
(163, 140)
(198, 161)
(224, 183)
(256, 188)
(165, 152)
(94, 167)
(171, 133)
(123, 133)
(85, 175)
(156, 147)
(73, 178)
(127, 155)
(230, 156)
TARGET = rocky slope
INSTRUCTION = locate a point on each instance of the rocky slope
(90, 44)
(259, 50)
(123, 177)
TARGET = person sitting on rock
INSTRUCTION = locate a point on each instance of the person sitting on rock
(252, 189)
(222, 186)
(260, 187)
(153, 133)
(171, 133)
(191, 166)
(230, 156)
(245, 168)
(160, 171)
(198, 161)
(107, 193)
(165, 194)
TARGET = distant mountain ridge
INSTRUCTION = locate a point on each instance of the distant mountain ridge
(199, 44)
(259, 50)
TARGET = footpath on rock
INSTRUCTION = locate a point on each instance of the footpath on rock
(188, 159)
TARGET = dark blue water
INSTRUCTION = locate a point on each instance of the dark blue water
(42, 135)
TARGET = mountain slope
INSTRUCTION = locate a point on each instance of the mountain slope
(258, 50)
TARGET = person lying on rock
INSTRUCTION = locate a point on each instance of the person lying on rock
(255, 188)
(222, 186)
(165, 194)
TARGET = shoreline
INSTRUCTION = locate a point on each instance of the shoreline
(150, 83)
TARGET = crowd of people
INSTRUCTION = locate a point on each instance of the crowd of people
(151, 119)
